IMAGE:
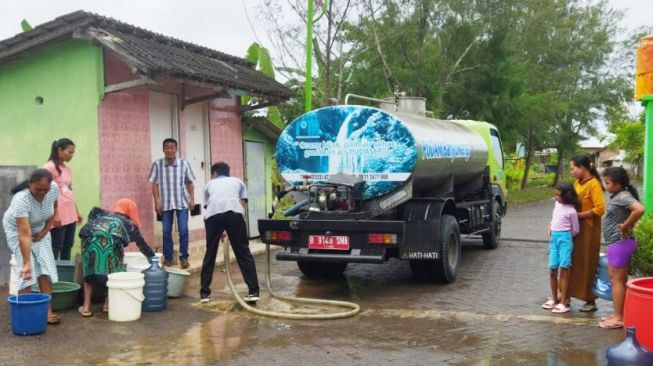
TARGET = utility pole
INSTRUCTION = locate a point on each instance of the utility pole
(308, 91)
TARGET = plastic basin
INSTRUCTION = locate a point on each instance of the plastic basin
(64, 295)
(176, 281)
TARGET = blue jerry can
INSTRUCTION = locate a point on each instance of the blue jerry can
(602, 287)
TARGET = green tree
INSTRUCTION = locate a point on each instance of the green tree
(542, 71)
(260, 56)
(330, 54)
(630, 137)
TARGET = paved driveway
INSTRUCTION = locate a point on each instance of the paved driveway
(490, 316)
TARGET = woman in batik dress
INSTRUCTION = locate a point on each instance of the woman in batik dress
(103, 238)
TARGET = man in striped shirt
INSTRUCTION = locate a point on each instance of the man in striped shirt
(173, 192)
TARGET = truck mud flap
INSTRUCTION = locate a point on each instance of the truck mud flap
(422, 229)
(354, 257)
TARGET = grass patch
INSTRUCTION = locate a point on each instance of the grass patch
(538, 189)
(532, 193)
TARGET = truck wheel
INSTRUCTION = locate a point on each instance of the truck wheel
(315, 270)
(444, 269)
(491, 238)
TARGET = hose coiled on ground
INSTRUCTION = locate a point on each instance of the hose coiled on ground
(355, 308)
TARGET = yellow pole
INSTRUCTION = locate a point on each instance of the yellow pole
(644, 92)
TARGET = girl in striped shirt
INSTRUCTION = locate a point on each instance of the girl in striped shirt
(624, 210)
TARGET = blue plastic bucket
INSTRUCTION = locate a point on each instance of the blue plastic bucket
(29, 313)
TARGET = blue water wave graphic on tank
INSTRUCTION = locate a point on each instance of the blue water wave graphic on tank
(357, 140)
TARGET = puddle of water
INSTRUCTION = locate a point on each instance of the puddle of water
(563, 358)
(216, 340)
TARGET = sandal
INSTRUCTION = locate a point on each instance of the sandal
(607, 317)
(549, 304)
(53, 319)
(85, 314)
(588, 308)
(560, 309)
(611, 324)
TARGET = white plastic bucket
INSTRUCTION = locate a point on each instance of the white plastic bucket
(176, 281)
(135, 258)
(14, 276)
(125, 296)
(137, 267)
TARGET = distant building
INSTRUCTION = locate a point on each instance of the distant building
(601, 154)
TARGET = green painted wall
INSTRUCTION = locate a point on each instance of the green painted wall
(252, 134)
(69, 78)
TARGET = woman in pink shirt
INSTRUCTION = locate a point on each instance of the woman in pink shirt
(564, 225)
(63, 233)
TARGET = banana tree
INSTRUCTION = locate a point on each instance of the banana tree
(260, 56)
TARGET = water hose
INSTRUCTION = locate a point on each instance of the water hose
(355, 308)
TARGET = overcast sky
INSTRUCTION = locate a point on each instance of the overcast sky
(229, 26)
(219, 24)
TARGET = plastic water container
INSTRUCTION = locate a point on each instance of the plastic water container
(29, 313)
(66, 270)
(125, 296)
(156, 287)
(137, 267)
(176, 281)
(637, 309)
(64, 295)
(602, 286)
(135, 258)
(14, 276)
(629, 352)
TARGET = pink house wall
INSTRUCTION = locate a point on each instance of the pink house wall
(125, 144)
(125, 156)
(227, 134)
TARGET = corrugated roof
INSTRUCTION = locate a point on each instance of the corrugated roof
(150, 54)
(264, 126)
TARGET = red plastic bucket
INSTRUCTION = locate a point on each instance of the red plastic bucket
(637, 310)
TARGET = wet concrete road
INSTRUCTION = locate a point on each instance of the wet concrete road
(490, 316)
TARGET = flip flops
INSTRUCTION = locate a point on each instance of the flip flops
(53, 319)
(588, 308)
(85, 314)
(611, 324)
(560, 309)
(549, 304)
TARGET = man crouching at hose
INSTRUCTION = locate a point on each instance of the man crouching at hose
(224, 201)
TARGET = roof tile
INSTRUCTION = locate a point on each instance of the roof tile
(150, 53)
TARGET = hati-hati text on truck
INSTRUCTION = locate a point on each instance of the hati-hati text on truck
(371, 184)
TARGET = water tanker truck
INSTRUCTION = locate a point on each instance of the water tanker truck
(370, 184)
